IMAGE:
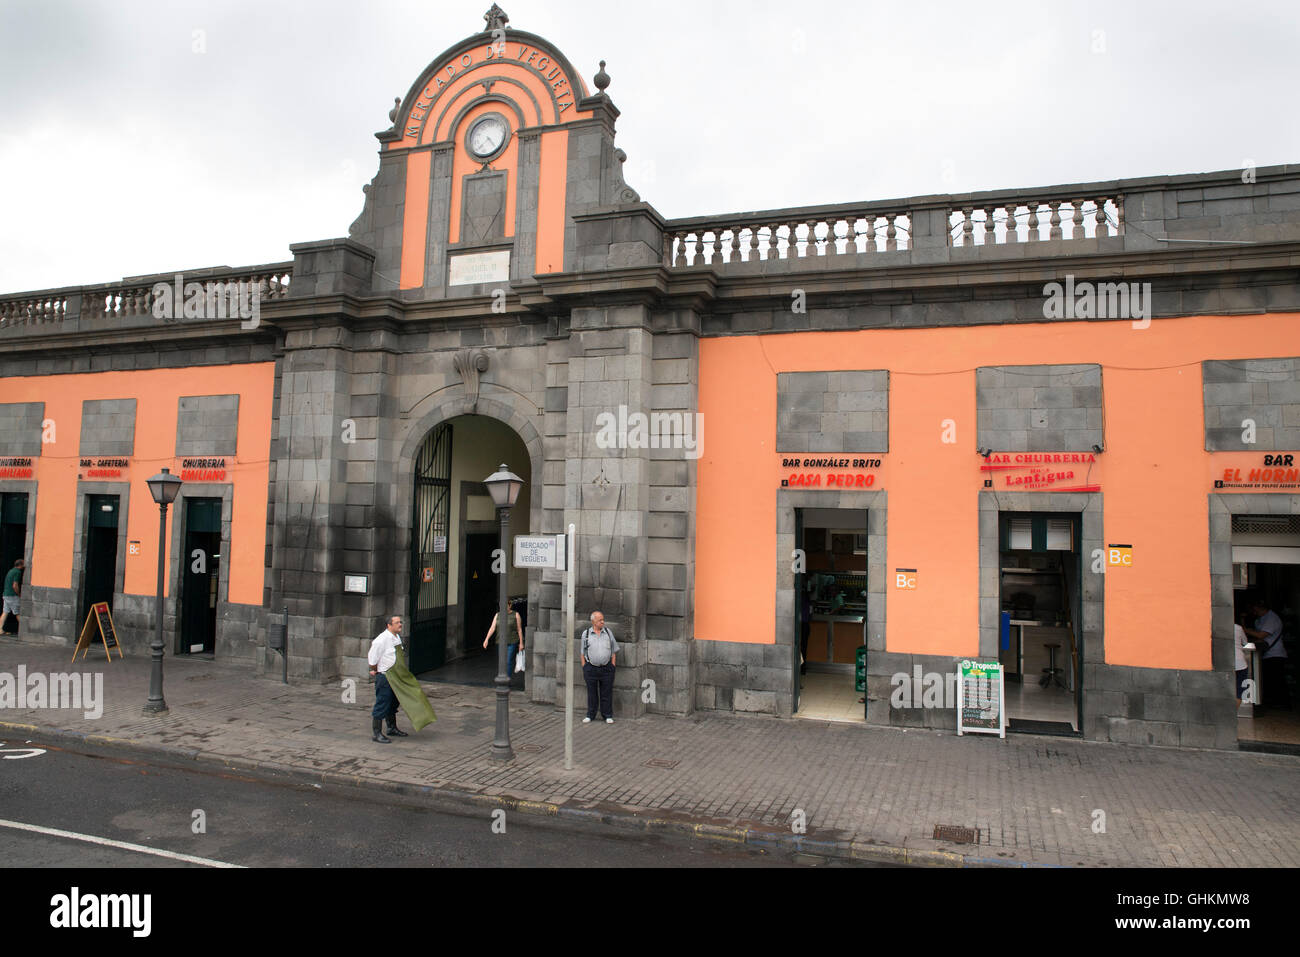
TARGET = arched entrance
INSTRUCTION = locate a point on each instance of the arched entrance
(454, 531)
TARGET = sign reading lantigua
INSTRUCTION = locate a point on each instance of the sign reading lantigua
(1040, 472)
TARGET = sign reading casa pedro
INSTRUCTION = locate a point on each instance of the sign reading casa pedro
(830, 471)
(1040, 472)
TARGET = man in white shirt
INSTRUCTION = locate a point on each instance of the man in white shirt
(1268, 639)
(383, 655)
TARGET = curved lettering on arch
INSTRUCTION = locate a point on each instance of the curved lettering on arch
(545, 66)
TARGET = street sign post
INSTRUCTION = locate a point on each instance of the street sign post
(558, 552)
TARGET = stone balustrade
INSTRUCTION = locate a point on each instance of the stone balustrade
(1018, 220)
(899, 226)
(853, 232)
(133, 298)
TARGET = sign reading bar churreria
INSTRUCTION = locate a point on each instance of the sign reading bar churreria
(981, 702)
(1040, 472)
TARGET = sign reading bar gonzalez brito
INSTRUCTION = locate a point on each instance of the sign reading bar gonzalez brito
(1040, 472)
(833, 471)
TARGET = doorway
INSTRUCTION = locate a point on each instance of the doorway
(13, 541)
(1266, 570)
(101, 552)
(1039, 598)
(830, 614)
(201, 568)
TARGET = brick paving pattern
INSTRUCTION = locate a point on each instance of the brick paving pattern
(1032, 798)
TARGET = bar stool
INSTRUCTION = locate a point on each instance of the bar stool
(1052, 673)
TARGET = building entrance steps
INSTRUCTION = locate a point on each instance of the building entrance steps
(874, 793)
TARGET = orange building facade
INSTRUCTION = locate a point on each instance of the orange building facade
(816, 457)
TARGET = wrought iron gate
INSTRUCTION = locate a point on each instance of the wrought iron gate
(431, 516)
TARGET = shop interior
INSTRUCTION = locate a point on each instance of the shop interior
(1039, 572)
(831, 614)
(1266, 567)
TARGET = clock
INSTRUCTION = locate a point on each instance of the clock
(487, 136)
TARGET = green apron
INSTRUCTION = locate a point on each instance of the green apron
(408, 692)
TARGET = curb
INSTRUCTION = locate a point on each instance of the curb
(456, 800)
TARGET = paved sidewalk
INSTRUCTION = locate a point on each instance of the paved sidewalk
(867, 793)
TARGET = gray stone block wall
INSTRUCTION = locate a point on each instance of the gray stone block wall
(844, 411)
(20, 428)
(107, 427)
(1259, 393)
(1050, 408)
(207, 424)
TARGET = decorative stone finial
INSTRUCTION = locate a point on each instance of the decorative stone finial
(496, 19)
(601, 79)
(392, 114)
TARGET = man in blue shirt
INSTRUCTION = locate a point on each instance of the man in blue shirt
(1268, 638)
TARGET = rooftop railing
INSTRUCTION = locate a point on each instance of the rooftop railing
(846, 231)
(133, 297)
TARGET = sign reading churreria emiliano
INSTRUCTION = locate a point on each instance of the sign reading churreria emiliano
(981, 699)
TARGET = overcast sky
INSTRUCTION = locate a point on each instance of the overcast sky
(123, 151)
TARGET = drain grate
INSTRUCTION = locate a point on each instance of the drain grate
(661, 763)
(531, 748)
(956, 835)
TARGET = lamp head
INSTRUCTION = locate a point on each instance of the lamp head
(164, 487)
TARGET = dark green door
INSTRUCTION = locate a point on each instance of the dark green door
(13, 529)
(799, 585)
(426, 624)
(200, 574)
(101, 552)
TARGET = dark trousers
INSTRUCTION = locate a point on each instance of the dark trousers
(385, 700)
(600, 686)
(1276, 694)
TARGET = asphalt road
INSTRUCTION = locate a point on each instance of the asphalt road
(253, 822)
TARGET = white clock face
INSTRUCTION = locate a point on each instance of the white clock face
(487, 136)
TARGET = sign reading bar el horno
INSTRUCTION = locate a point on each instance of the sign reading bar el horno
(981, 698)
(469, 268)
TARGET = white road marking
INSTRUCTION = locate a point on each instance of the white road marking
(12, 754)
(123, 845)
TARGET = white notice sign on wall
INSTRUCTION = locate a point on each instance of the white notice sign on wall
(469, 268)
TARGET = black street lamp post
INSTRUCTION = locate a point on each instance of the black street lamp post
(503, 485)
(164, 488)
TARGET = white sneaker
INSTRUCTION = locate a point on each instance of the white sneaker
(609, 720)
(586, 721)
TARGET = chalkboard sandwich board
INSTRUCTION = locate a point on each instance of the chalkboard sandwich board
(98, 620)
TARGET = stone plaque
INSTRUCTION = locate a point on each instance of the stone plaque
(469, 268)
